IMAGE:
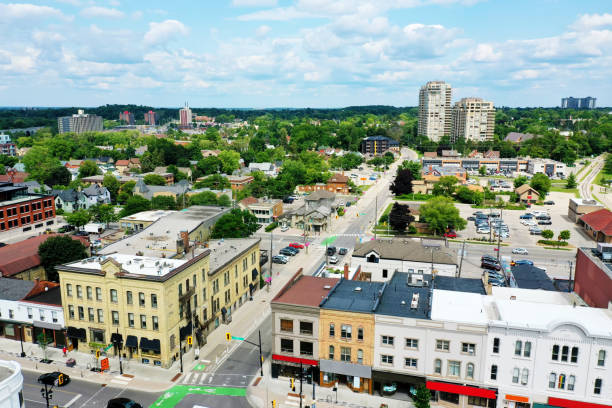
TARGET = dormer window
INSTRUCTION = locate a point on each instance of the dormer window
(372, 258)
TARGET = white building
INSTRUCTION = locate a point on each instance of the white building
(551, 168)
(473, 119)
(435, 110)
(381, 258)
(11, 385)
(269, 169)
(80, 122)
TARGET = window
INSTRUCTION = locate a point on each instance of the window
(552, 380)
(346, 332)
(571, 382)
(115, 318)
(410, 362)
(194, 280)
(360, 356)
(99, 294)
(89, 293)
(215, 286)
(155, 321)
(468, 348)
(54, 316)
(518, 348)
(388, 340)
(97, 336)
(81, 313)
(515, 375)
(79, 291)
(129, 298)
(574, 358)
(345, 354)
(478, 401)
(469, 371)
(141, 299)
(386, 359)
(143, 321)
(442, 345)
(494, 372)
(306, 328)
(496, 345)
(226, 278)
(437, 366)
(331, 352)
(100, 316)
(113, 295)
(131, 319)
(286, 346)
(360, 334)
(332, 330)
(454, 368)
(597, 387)
(527, 349)
(385, 273)
(71, 312)
(286, 325)
(29, 313)
(555, 352)
(524, 376)
(306, 348)
(154, 299)
(90, 314)
(180, 289)
(561, 383)
(601, 358)
(564, 353)
(412, 343)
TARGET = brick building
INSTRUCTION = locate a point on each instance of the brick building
(18, 209)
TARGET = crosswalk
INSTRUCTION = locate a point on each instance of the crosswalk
(212, 379)
(198, 378)
(292, 401)
(121, 380)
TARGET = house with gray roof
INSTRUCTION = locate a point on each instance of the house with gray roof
(95, 194)
(314, 215)
(69, 200)
(148, 191)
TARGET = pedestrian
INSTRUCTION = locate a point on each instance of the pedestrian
(197, 353)
(64, 350)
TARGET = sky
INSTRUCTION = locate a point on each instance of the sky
(302, 53)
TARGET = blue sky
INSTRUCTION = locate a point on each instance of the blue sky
(302, 53)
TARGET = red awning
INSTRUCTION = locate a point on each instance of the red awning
(461, 389)
(296, 360)
(565, 403)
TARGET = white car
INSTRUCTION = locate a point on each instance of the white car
(284, 228)
(520, 251)
(483, 231)
(333, 259)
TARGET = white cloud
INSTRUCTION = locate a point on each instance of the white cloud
(101, 12)
(165, 31)
(484, 53)
(262, 30)
(526, 74)
(14, 11)
(254, 3)
(592, 21)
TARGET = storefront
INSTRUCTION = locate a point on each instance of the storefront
(515, 401)
(285, 366)
(455, 395)
(53, 332)
(131, 345)
(74, 336)
(566, 403)
(388, 383)
(355, 376)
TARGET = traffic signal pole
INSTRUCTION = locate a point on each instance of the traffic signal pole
(229, 337)
(260, 355)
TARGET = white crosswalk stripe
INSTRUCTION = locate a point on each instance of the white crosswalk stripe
(202, 381)
(187, 377)
(120, 382)
(292, 403)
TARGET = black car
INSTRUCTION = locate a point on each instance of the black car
(331, 250)
(82, 234)
(549, 202)
(54, 379)
(490, 265)
(65, 228)
(545, 222)
(342, 251)
(470, 218)
(543, 217)
(488, 258)
(122, 403)
(288, 200)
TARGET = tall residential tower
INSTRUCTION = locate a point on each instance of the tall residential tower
(473, 119)
(79, 123)
(185, 116)
(435, 110)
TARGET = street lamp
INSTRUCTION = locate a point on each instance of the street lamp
(23, 354)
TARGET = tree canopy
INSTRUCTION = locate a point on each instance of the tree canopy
(235, 224)
(402, 183)
(154, 180)
(541, 183)
(441, 214)
(59, 250)
(399, 217)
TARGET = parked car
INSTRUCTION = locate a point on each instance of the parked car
(331, 250)
(122, 403)
(450, 234)
(489, 258)
(279, 259)
(527, 216)
(483, 231)
(521, 251)
(543, 217)
(535, 231)
(523, 262)
(65, 228)
(490, 265)
(471, 218)
(296, 245)
(342, 251)
(284, 228)
(287, 251)
(545, 222)
(55, 378)
(389, 388)
(81, 234)
(549, 202)
(333, 259)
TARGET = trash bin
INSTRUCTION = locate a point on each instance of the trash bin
(71, 362)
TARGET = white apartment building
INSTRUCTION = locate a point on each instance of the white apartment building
(435, 110)
(473, 119)
(79, 123)
(551, 168)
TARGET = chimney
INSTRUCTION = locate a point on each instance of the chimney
(185, 238)
(346, 271)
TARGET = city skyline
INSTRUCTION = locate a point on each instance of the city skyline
(304, 53)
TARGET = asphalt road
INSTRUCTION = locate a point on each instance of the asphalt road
(79, 394)
(586, 184)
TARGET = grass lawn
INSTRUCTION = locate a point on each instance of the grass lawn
(600, 177)
(565, 190)
(366, 187)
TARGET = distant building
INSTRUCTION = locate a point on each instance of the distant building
(473, 119)
(593, 276)
(549, 167)
(18, 209)
(7, 147)
(515, 137)
(527, 194)
(598, 225)
(127, 117)
(185, 116)
(338, 184)
(435, 115)
(378, 145)
(578, 103)
(79, 123)
(579, 207)
(150, 118)
(265, 210)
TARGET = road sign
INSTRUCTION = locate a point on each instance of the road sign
(108, 347)
(97, 354)
(104, 364)
(228, 336)
(329, 240)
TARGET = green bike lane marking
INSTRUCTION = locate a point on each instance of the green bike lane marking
(329, 240)
(199, 367)
(173, 396)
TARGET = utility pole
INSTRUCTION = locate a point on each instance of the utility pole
(501, 212)
(260, 356)
(181, 352)
(490, 226)
(47, 393)
(119, 350)
(571, 267)
(301, 376)
(462, 254)
(270, 257)
(376, 217)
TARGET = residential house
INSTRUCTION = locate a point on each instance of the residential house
(598, 225)
(265, 210)
(127, 165)
(314, 215)
(433, 173)
(69, 200)
(239, 182)
(269, 169)
(148, 191)
(161, 171)
(516, 137)
(95, 195)
(73, 164)
(527, 194)
(207, 153)
(338, 184)
(578, 207)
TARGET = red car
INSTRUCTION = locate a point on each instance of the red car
(296, 245)
(451, 234)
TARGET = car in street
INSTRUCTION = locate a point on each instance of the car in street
(331, 250)
(489, 258)
(490, 265)
(471, 218)
(545, 222)
(520, 251)
(342, 251)
(284, 228)
(450, 234)
(523, 262)
(288, 200)
(54, 378)
(296, 245)
(280, 259)
(122, 403)
(81, 234)
(483, 231)
(287, 251)
(333, 259)
(65, 228)
(549, 202)
(527, 216)
(535, 231)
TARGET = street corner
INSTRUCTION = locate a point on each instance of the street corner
(172, 397)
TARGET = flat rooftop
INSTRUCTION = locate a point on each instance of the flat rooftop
(136, 265)
(148, 216)
(5, 372)
(306, 291)
(399, 294)
(460, 307)
(21, 199)
(531, 277)
(223, 251)
(354, 296)
(468, 285)
(407, 250)
(534, 296)
(604, 266)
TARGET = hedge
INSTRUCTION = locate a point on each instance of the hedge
(271, 226)
(552, 242)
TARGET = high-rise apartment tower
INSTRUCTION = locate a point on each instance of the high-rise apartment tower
(473, 119)
(79, 123)
(435, 110)
(185, 116)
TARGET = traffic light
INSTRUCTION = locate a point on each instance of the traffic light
(228, 336)
(189, 340)
(97, 353)
(60, 379)
(273, 403)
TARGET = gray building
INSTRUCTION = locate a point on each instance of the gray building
(578, 103)
(80, 123)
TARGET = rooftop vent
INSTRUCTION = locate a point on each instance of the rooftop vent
(326, 287)
(403, 303)
(415, 301)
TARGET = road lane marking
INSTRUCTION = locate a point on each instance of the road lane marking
(120, 382)
(187, 377)
(202, 381)
(72, 401)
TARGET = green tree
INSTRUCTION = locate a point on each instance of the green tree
(571, 181)
(235, 224)
(125, 192)
(541, 183)
(564, 235)
(399, 217)
(88, 168)
(547, 234)
(422, 397)
(440, 213)
(203, 198)
(414, 167)
(230, 161)
(8, 161)
(467, 196)
(59, 250)
(39, 162)
(482, 170)
(402, 183)
(209, 165)
(154, 180)
(224, 201)
(135, 204)
(608, 164)
(214, 182)
(58, 175)
(112, 185)
(78, 218)
(43, 342)
(445, 186)
(104, 213)
(163, 203)
(520, 180)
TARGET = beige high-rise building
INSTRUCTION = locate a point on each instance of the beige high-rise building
(473, 119)
(435, 110)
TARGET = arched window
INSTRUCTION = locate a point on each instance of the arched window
(437, 366)
(561, 384)
(525, 376)
(552, 380)
(470, 371)
(373, 258)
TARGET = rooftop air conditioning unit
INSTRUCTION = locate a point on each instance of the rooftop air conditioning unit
(415, 301)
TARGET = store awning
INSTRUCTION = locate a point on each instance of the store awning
(155, 345)
(565, 403)
(461, 389)
(131, 341)
(516, 398)
(75, 333)
(296, 360)
(340, 367)
(116, 338)
(254, 273)
(47, 325)
(385, 376)
(144, 343)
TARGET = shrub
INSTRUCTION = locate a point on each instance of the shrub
(552, 242)
(271, 226)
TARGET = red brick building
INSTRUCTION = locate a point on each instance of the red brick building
(18, 209)
(598, 225)
(338, 184)
(593, 281)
